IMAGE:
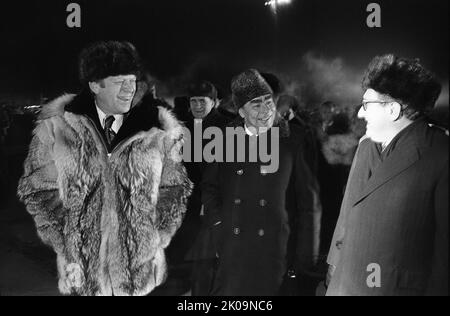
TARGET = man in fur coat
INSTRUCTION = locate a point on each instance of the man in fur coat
(104, 180)
(392, 234)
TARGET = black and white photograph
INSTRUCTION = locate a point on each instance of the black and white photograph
(204, 149)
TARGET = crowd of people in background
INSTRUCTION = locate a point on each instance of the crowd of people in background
(326, 134)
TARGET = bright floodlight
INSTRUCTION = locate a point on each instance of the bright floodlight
(275, 3)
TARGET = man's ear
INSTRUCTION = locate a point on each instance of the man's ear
(241, 113)
(395, 111)
(95, 87)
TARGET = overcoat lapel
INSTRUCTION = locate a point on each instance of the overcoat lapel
(403, 157)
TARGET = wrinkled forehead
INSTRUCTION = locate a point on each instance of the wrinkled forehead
(262, 99)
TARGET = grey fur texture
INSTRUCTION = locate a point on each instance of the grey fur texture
(111, 216)
(248, 86)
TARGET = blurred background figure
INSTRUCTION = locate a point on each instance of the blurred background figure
(288, 108)
(181, 108)
(337, 149)
(187, 248)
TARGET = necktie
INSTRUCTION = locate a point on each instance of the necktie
(109, 133)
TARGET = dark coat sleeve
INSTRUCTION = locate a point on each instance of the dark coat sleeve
(309, 214)
(38, 188)
(339, 231)
(438, 282)
(211, 198)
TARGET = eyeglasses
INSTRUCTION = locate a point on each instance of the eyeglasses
(364, 104)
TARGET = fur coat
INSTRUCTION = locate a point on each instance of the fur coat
(108, 217)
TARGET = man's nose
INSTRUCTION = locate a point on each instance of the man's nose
(361, 113)
(128, 86)
(266, 108)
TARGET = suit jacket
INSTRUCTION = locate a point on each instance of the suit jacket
(398, 220)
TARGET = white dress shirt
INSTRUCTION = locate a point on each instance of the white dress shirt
(117, 124)
(250, 133)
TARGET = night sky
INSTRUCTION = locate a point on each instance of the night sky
(319, 48)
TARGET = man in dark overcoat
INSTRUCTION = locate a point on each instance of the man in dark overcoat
(245, 200)
(392, 235)
(187, 244)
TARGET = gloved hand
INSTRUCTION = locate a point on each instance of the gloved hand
(74, 275)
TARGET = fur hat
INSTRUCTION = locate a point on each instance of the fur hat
(203, 89)
(111, 58)
(247, 86)
(405, 80)
(274, 82)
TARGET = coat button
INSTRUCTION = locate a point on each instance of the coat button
(236, 231)
(237, 201)
(261, 232)
(240, 172)
(262, 203)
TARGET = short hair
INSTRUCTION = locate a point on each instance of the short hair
(404, 80)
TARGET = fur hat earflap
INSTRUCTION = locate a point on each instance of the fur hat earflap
(203, 89)
(248, 86)
(405, 80)
(108, 58)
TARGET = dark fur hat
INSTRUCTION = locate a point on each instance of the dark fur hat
(274, 82)
(405, 80)
(108, 58)
(203, 89)
(247, 86)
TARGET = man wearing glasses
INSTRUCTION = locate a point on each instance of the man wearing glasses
(392, 235)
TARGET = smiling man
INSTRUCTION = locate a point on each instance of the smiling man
(394, 215)
(246, 207)
(104, 181)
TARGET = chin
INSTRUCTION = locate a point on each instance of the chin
(374, 138)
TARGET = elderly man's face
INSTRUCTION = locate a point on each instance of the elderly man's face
(376, 112)
(259, 112)
(114, 94)
(201, 106)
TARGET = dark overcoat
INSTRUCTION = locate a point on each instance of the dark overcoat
(179, 249)
(247, 212)
(396, 223)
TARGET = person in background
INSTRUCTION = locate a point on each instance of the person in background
(188, 246)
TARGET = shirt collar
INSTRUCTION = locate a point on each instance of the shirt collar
(250, 133)
(102, 117)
